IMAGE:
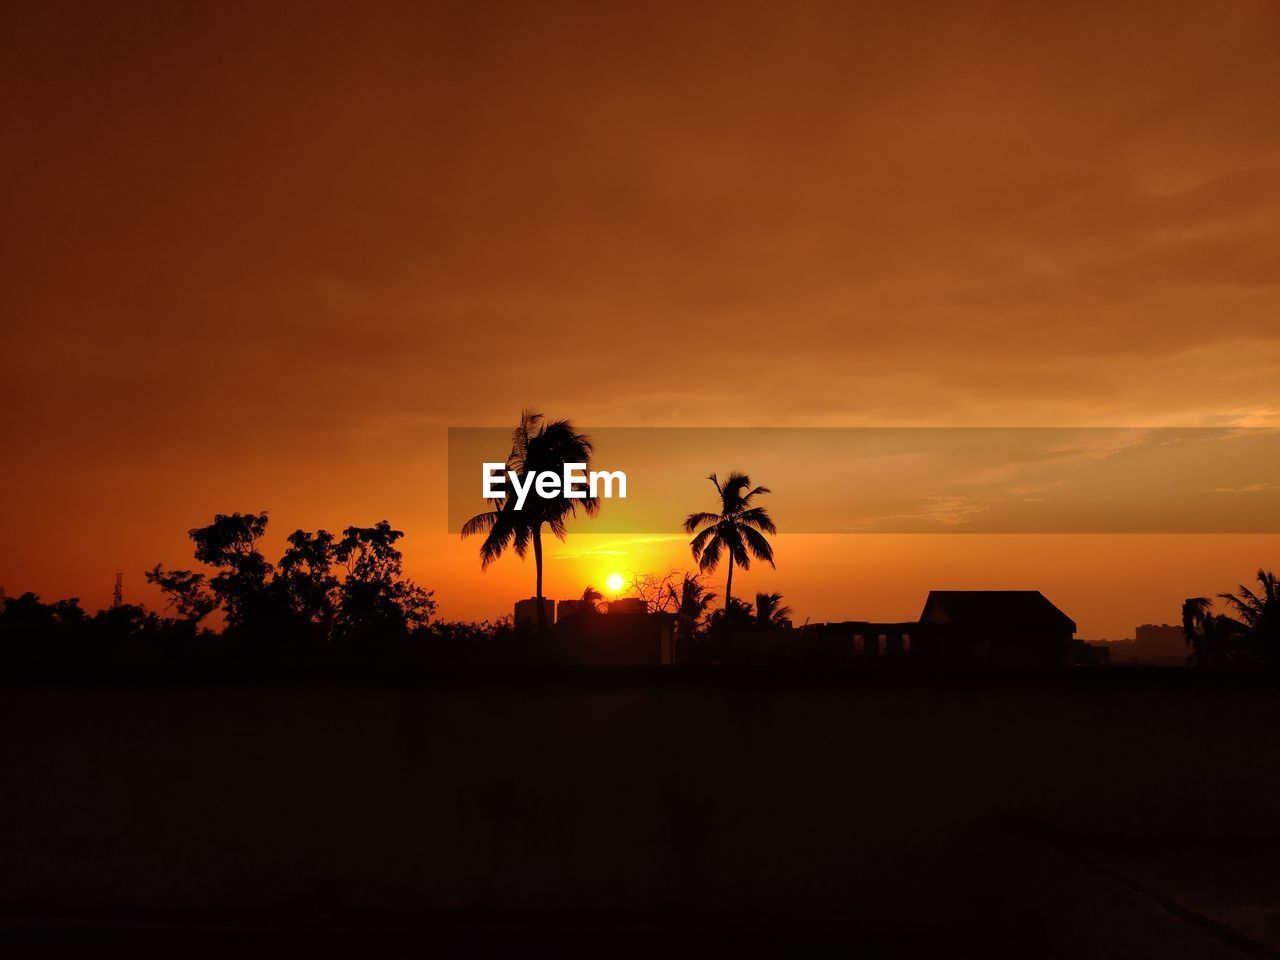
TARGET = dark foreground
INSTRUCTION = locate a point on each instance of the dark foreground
(638, 812)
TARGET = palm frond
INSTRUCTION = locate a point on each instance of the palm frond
(522, 538)
(699, 543)
(1247, 604)
(495, 544)
(1270, 586)
(696, 520)
(731, 534)
(520, 437)
(708, 557)
(480, 523)
(1195, 610)
(758, 545)
(759, 518)
(731, 492)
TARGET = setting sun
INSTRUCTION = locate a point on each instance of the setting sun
(614, 582)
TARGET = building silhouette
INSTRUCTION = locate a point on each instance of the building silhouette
(1012, 627)
(956, 627)
(526, 612)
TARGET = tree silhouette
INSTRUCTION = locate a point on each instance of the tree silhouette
(1215, 639)
(230, 544)
(657, 590)
(62, 632)
(536, 446)
(376, 603)
(733, 617)
(298, 604)
(692, 599)
(690, 602)
(1260, 614)
(771, 614)
(187, 592)
(738, 529)
(32, 630)
(591, 600)
(293, 608)
(305, 574)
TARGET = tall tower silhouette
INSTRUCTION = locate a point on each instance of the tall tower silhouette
(117, 595)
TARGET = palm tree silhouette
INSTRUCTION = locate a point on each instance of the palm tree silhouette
(692, 599)
(536, 446)
(734, 618)
(1214, 639)
(1260, 613)
(771, 614)
(591, 600)
(738, 529)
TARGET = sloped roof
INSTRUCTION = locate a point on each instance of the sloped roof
(1012, 608)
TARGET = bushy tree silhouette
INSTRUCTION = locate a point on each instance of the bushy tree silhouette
(62, 632)
(187, 592)
(305, 587)
(28, 625)
(230, 545)
(299, 604)
(376, 603)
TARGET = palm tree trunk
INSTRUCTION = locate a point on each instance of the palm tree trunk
(537, 562)
(728, 585)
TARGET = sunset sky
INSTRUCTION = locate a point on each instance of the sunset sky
(262, 256)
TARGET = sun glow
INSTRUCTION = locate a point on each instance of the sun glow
(614, 582)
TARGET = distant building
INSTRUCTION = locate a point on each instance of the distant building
(612, 640)
(580, 635)
(1158, 644)
(527, 611)
(1160, 639)
(1014, 627)
(847, 642)
(1082, 653)
(572, 608)
(628, 605)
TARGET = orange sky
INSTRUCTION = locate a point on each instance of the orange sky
(262, 258)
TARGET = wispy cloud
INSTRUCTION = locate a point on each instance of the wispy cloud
(614, 547)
